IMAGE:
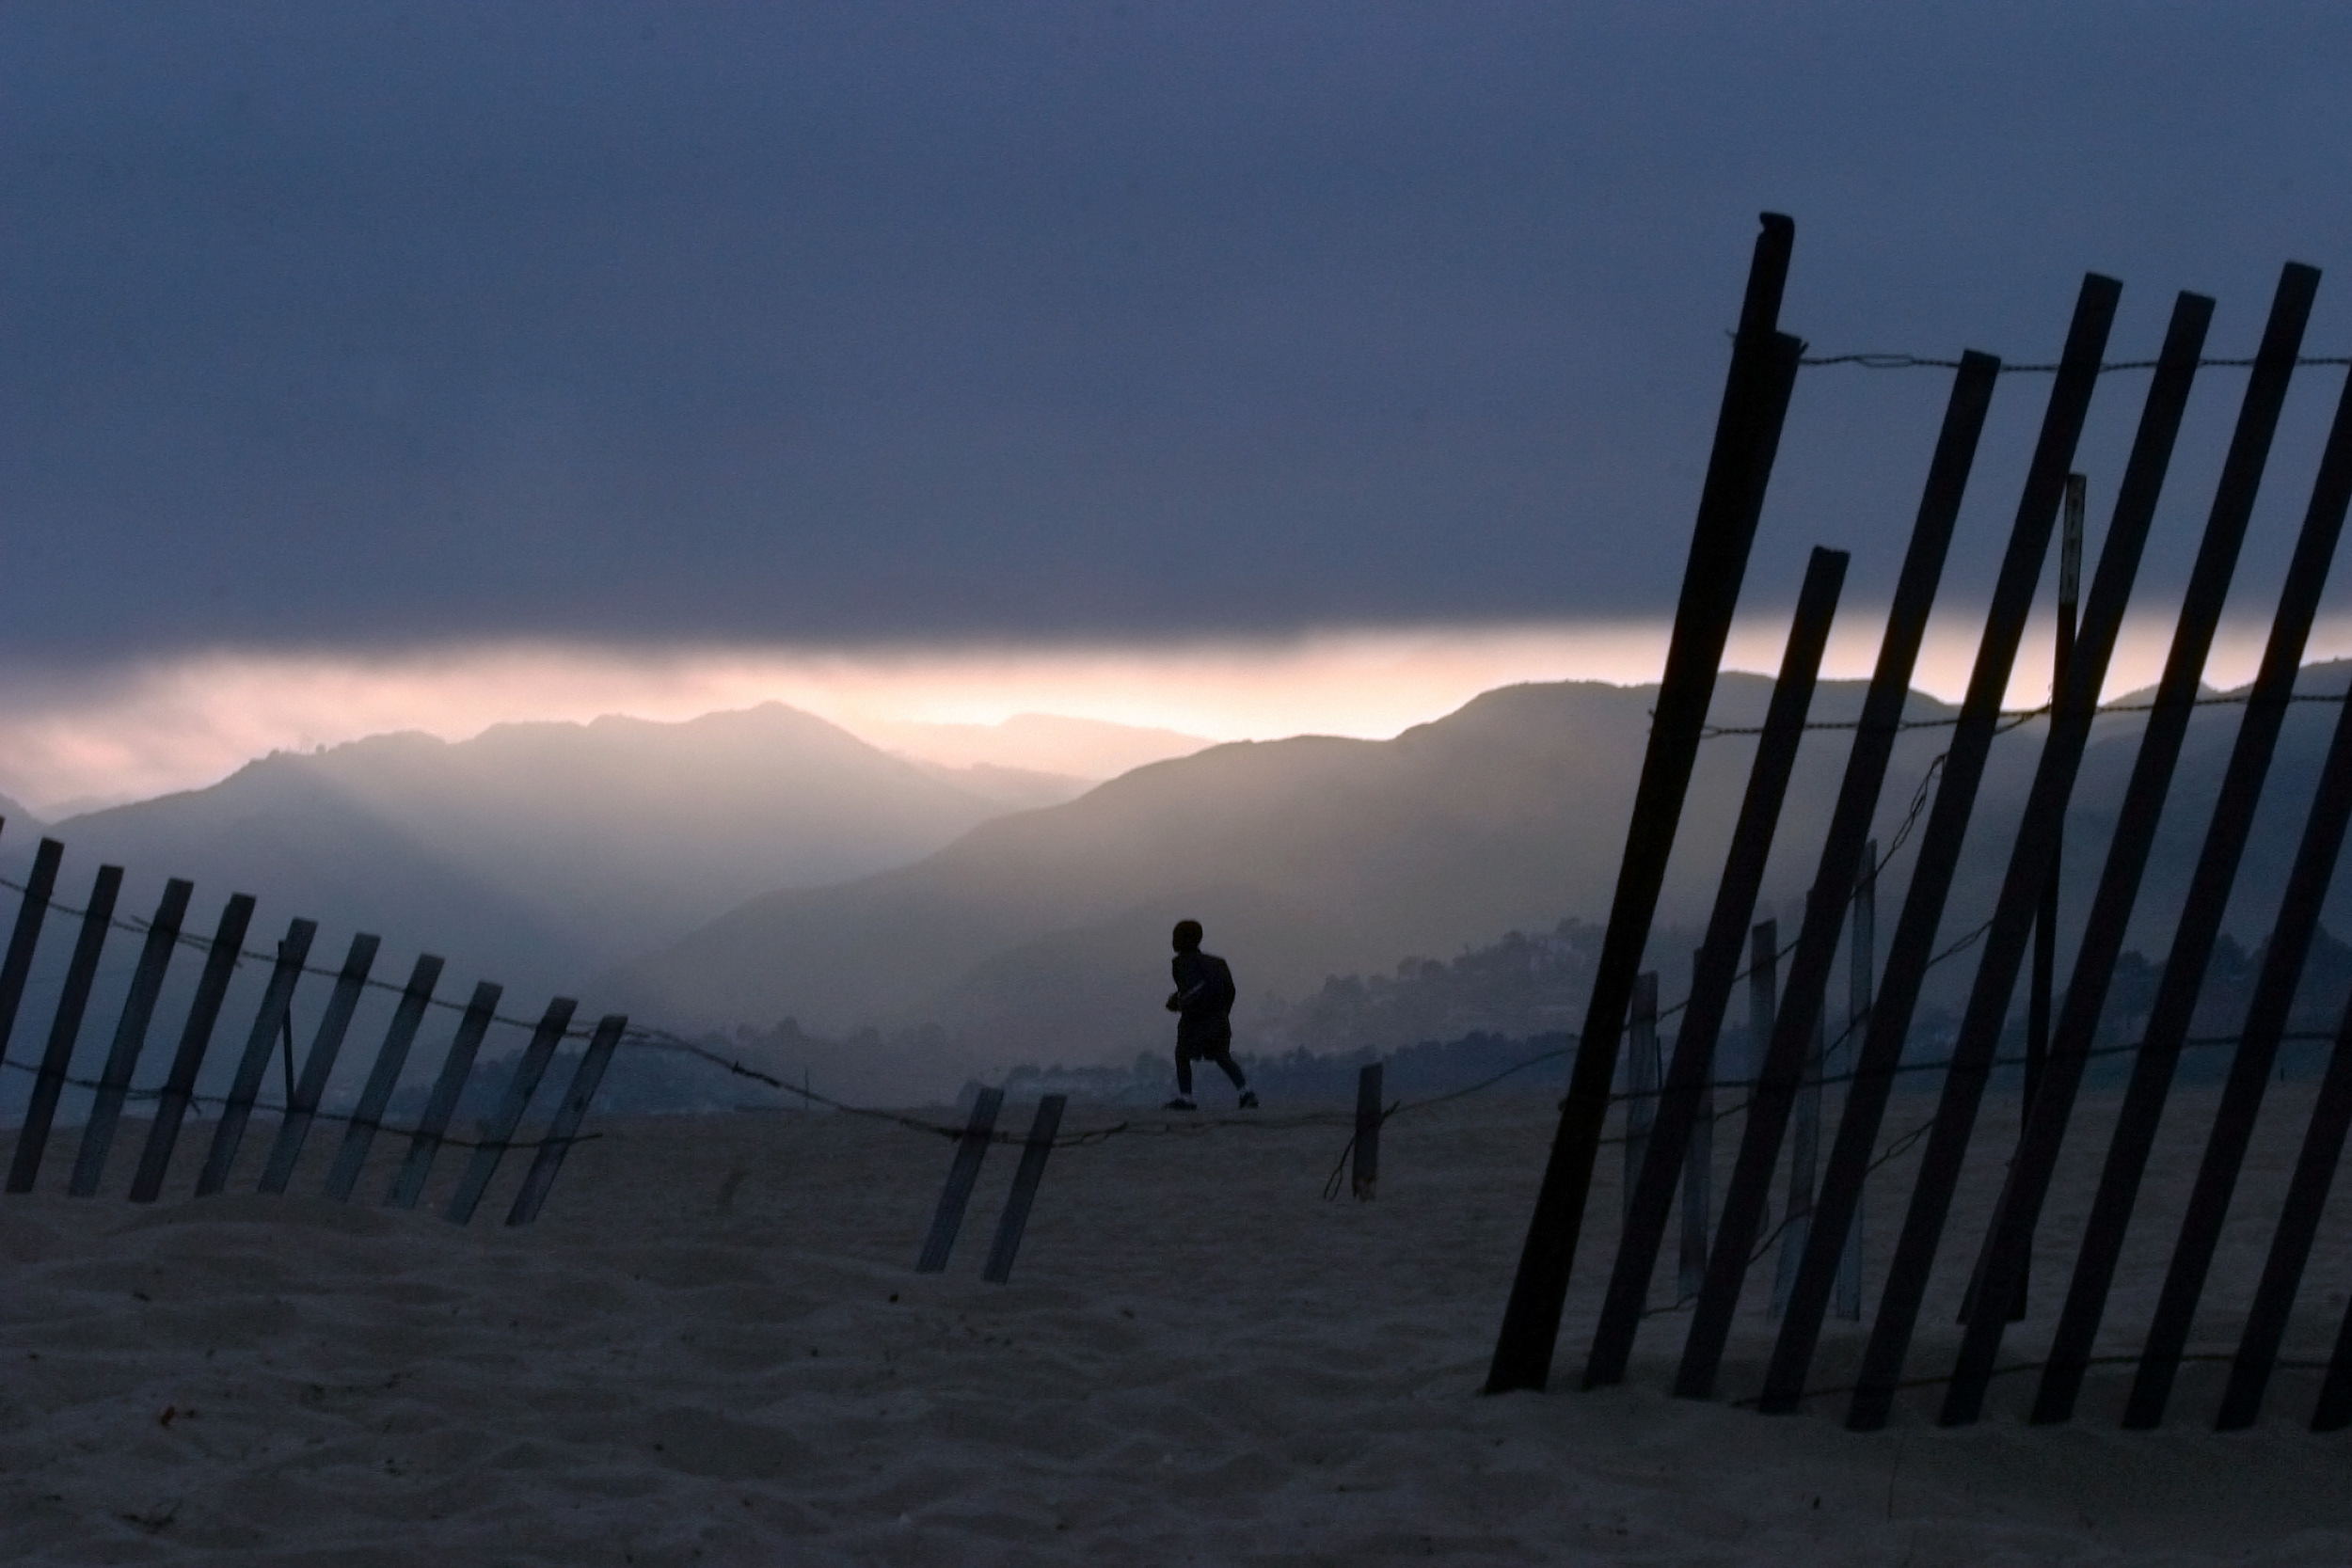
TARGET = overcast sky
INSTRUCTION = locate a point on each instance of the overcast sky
(347, 326)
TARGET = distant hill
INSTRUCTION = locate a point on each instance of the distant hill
(1088, 749)
(1043, 937)
(538, 854)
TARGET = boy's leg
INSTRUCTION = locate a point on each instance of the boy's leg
(1224, 1058)
(1184, 1070)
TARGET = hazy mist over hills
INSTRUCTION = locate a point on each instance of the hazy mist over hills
(1041, 935)
(746, 868)
(536, 854)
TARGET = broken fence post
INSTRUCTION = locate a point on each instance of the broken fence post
(962, 1174)
(1364, 1170)
(1015, 1218)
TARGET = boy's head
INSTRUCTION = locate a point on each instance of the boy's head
(1188, 936)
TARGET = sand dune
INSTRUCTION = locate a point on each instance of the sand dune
(712, 1350)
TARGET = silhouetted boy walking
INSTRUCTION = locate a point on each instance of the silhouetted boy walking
(1203, 1003)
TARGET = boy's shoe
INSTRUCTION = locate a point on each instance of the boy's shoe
(1180, 1103)
(1248, 1099)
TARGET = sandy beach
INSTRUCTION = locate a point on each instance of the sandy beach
(713, 1350)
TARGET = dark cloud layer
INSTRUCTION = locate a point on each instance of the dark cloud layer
(348, 323)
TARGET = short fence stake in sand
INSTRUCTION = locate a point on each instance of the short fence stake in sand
(1025, 1181)
(970, 1149)
(1364, 1173)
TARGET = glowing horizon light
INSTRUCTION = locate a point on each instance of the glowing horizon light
(134, 731)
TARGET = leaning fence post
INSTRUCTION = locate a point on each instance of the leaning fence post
(964, 1171)
(325, 1046)
(31, 912)
(1714, 973)
(1862, 943)
(1032, 1170)
(563, 1126)
(2201, 909)
(1641, 1082)
(2242, 1092)
(122, 1059)
(442, 1103)
(64, 1029)
(1804, 1157)
(2002, 951)
(2006, 1255)
(499, 1132)
(389, 1059)
(171, 1106)
(292, 953)
(1364, 1172)
(2290, 1243)
(1747, 435)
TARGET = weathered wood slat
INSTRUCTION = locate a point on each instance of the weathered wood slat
(1677, 1130)
(195, 1037)
(2003, 948)
(319, 1064)
(65, 1028)
(448, 1087)
(1940, 843)
(498, 1135)
(32, 912)
(1364, 1153)
(563, 1126)
(962, 1172)
(268, 1019)
(1031, 1171)
(122, 1059)
(1747, 433)
(2007, 1250)
(360, 1133)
